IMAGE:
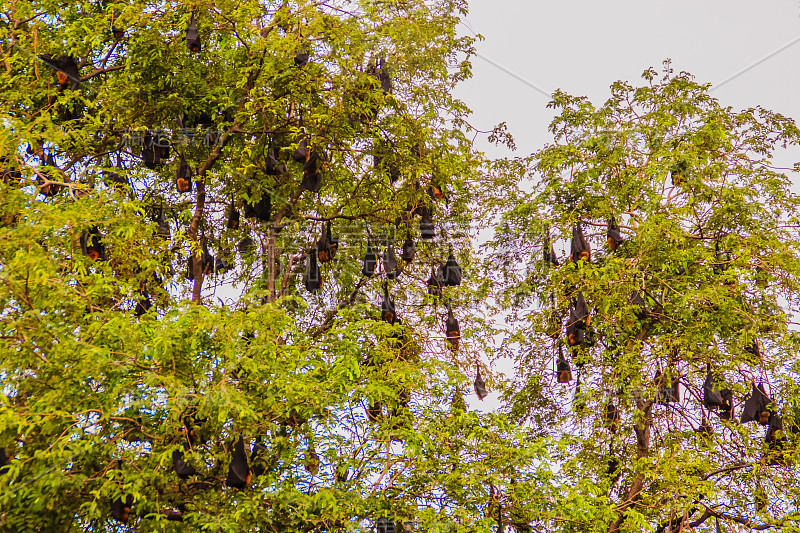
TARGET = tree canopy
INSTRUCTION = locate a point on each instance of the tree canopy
(240, 291)
(663, 282)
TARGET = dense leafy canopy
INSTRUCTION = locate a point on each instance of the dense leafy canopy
(673, 297)
(237, 290)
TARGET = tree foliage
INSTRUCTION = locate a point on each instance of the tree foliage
(692, 272)
(168, 170)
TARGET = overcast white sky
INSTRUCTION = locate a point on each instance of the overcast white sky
(582, 46)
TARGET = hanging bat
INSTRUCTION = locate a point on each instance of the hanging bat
(114, 181)
(121, 508)
(612, 417)
(312, 177)
(635, 298)
(92, 244)
(301, 59)
(756, 407)
(183, 176)
(193, 36)
(388, 313)
(426, 227)
(143, 304)
(273, 166)
(238, 470)
(581, 311)
(667, 392)
(384, 76)
(313, 279)
(370, 260)
(182, 469)
(117, 33)
(480, 386)
(66, 71)
(326, 250)
(549, 253)
(261, 209)
(579, 248)
(233, 217)
(714, 399)
(311, 462)
(452, 270)
(678, 173)
(163, 230)
(51, 189)
(390, 263)
(453, 332)
(300, 153)
(257, 458)
(613, 470)
(613, 235)
(409, 250)
(563, 369)
(374, 412)
(245, 245)
(221, 265)
(436, 282)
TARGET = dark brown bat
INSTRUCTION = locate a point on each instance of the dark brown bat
(193, 36)
(453, 332)
(613, 235)
(325, 249)
(756, 407)
(183, 175)
(388, 313)
(121, 508)
(233, 217)
(66, 70)
(452, 270)
(182, 469)
(238, 470)
(92, 244)
(313, 279)
(480, 386)
(260, 209)
(579, 247)
(436, 281)
(370, 260)
(409, 250)
(563, 369)
(390, 266)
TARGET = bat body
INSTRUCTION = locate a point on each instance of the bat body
(260, 209)
(579, 247)
(238, 470)
(193, 36)
(426, 227)
(480, 386)
(563, 369)
(409, 250)
(452, 271)
(182, 469)
(390, 263)
(388, 313)
(313, 279)
(452, 330)
(92, 244)
(613, 236)
(756, 407)
(436, 282)
(233, 218)
(370, 260)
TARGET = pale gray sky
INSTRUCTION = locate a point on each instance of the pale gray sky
(582, 46)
